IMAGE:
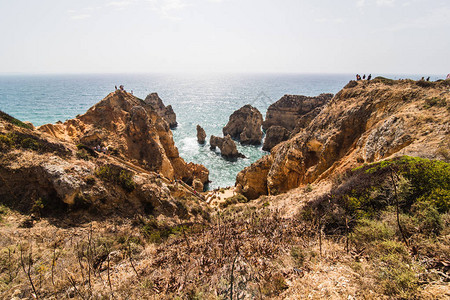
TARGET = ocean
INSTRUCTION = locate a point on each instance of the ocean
(207, 100)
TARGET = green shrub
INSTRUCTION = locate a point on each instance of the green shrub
(3, 211)
(429, 219)
(4, 116)
(30, 143)
(238, 198)
(274, 285)
(384, 80)
(368, 231)
(438, 198)
(6, 142)
(87, 150)
(156, 232)
(397, 277)
(82, 154)
(435, 101)
(117, 175)
(298, 255)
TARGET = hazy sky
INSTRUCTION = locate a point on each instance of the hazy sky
(321, 36)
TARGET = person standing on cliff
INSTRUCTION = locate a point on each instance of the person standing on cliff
(369, 77)
(364, 76)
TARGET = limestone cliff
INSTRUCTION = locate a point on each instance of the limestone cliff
(364, 122)
(275, 135)
(42, 175)
(134, 129)
(244, 125)
(290, 108)
(165, 112)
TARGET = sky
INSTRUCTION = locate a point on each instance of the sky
(232, 36)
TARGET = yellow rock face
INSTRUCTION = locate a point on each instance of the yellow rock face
(363, 123)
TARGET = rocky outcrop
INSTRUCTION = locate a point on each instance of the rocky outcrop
(252, 181)
(290, 108)
(165, 112)
(133, 129)
(201, 135)
(363, 123)
(226, 145)
(275, 135)
(43, 175)
(244, 125)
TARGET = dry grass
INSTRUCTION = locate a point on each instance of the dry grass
(256, 250)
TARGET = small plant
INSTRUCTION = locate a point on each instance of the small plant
(4, 116)
(434, 101)
(384, 80)
(274, 285)
(82, 154)
(308, 188)
(238, 198)
(298, 255)
(117, 175)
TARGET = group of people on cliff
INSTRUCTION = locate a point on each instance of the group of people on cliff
(358, 77)
(122, 88)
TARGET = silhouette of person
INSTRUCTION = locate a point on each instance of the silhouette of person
(369, 77)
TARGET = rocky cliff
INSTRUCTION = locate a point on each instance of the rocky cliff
(132, 128)
(363, 123)
(166, 112)
(244, 125)
(44, 175)
(290, 108)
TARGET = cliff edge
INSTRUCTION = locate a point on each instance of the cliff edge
(367, 121)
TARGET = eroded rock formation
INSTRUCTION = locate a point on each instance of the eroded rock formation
(134, 129)
(275, 135)
(366, 122)
(201, 135)
(226, 145)
(244, 125)
(288, 110)
(41, 174)
(165, 112)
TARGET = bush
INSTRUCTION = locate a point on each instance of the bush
(438, 198)
(435, 101)
(157, 233)
(368, 231)
(6, 142)
(274, 285)
(397, 277)
(82, 154)
(4, 116)
(238, 198)
(430, 221)
(384, 80)
(117, 175)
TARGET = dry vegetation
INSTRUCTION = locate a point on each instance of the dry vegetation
(341, 250)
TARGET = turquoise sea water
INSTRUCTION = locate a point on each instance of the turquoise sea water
(207, 100)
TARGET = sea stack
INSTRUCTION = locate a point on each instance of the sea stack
(244, 125)
(165, 112)
(201, 135)
(226, 145)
